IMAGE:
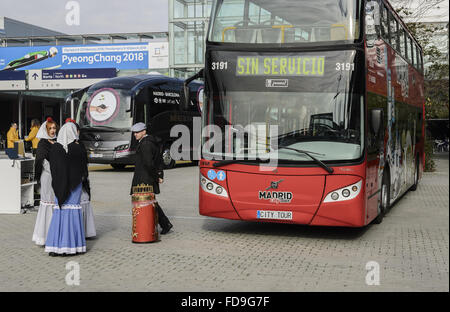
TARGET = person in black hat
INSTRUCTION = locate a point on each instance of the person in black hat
(148, 168)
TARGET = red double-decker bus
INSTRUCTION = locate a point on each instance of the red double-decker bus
(313, 112)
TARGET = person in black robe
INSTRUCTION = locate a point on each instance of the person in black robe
(148, 168)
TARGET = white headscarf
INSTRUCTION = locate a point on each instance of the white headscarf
(43, 134)
(67, 134)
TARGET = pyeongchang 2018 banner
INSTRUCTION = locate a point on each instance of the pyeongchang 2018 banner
(119, 56)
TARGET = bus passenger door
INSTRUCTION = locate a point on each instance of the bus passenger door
(375, 141)
(139, 110)
(140, 106)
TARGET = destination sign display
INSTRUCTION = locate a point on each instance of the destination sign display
(298, 65)
(296, 71)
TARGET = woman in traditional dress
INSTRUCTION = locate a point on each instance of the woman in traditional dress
(47, 136)
(66, 233)
(88, 214)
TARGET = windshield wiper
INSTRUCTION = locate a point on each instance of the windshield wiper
(233, 161)
(321, 164)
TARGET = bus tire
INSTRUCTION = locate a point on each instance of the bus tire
(416, 176)
(168, 161)
(385, 198)
(118, 166)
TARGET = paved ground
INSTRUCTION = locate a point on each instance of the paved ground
(411, 246)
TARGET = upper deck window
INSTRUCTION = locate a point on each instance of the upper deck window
(402, 37)
(394, 32)
(414, 53)
(384, 23)
(285, 21)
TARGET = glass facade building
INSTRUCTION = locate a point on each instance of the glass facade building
(188, 25)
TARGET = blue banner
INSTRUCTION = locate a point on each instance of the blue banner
(119, 56)
(12, 75)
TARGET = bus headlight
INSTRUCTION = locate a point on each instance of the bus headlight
(122, 148)
(212, 188)
(334, 196)
(348, 192)
(122, 151)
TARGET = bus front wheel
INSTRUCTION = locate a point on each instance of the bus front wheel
(385, 198)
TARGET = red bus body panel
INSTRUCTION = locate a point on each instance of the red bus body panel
(309, 186)
(403, 129)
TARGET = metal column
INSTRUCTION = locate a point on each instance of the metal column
(20, 114)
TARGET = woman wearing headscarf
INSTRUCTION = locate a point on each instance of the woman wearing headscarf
(88, 214)
(32, 136)
(66, 233)
(47, 136)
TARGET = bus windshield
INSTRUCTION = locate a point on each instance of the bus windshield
(326, 124)
(285, 21)
(312, 100)
(105, 108)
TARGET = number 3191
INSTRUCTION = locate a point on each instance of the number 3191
(219, 65)
(345, 66)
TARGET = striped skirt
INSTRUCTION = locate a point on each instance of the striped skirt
(66, 231)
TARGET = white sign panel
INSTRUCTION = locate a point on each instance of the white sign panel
(12, 85)
(158, 55)
(40, 79)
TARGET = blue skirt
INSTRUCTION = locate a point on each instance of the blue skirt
(66, 231)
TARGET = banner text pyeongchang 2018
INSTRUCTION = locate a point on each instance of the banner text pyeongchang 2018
(119, 56)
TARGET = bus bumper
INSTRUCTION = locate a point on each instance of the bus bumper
(314, 205)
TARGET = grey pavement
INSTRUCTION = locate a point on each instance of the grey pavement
(411, 246)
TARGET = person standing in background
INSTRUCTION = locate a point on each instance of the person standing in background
(47, 136)
(35, 124)
(12, 135)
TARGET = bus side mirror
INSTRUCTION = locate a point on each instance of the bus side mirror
(130, 106)
(376, 120)
(186, 98)
(186, 89)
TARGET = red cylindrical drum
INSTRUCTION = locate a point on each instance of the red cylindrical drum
(145, 218)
